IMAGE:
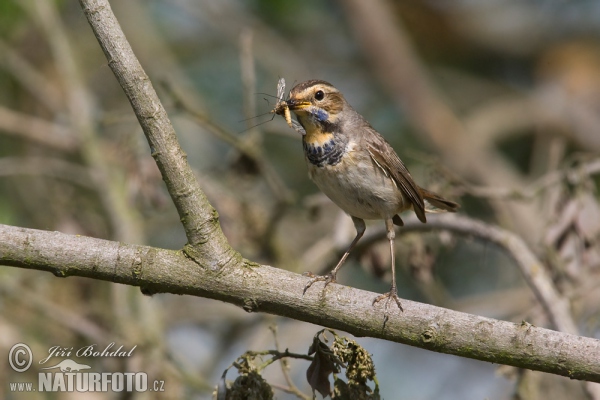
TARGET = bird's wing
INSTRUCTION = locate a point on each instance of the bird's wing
(386, 158)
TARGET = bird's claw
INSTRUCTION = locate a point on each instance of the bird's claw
(392, 294)
(329, 278)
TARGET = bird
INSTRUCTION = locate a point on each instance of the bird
(353, 165)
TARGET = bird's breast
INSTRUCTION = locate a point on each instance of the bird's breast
(357, 185)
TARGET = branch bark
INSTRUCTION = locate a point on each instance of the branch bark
(261, 288)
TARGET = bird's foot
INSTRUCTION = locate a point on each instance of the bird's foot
(391, 295)
(329, 278)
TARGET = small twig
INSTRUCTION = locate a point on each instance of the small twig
(277, 355)
(292, 388)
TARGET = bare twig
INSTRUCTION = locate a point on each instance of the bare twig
(291, 388)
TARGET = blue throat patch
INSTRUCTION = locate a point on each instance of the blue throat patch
(321, 115)
(329, 153)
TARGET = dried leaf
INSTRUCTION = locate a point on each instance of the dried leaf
(321, 367)
(222, 387)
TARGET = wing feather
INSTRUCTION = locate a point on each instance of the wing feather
(386, 158)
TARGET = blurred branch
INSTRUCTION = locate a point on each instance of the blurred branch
(533, 270)
(49, 167)
(500, 118)
(388, 49)
(124, 221)
(248, 71)
(35, 83)
(260, 288)
(573, 175)
(37, 130)
(56, 312)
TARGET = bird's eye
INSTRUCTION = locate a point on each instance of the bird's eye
(319, 95)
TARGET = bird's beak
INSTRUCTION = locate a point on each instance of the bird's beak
(295, 105)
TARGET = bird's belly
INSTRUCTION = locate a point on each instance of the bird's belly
(360, 188)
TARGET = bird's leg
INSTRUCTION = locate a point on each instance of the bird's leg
(393, 293)
(359, 224)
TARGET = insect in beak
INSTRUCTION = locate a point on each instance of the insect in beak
(283, 108)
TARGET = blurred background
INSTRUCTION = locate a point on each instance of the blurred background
(493, 104)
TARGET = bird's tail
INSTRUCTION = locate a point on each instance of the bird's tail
(437, 204)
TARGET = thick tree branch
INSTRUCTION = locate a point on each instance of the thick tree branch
(200, 220)
(260, 288)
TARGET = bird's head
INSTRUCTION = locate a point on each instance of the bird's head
(317, 104)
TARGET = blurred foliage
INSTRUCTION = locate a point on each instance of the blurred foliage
(521, 77)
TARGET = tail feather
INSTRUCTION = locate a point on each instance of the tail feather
(436, 204)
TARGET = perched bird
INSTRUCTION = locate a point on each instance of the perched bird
(355, 167)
